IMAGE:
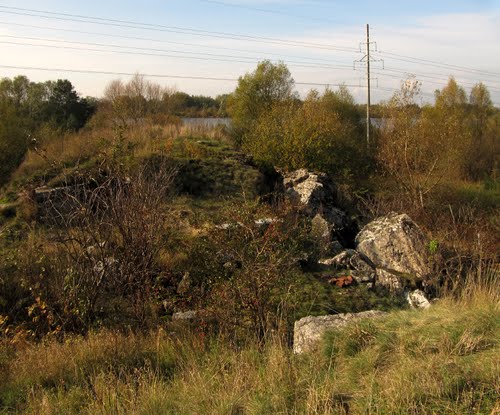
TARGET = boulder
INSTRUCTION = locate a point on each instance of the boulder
(316, 192)
(325, 233)
(44, 194)
(417, 299)
(309, 188)
(394, 242)
(308, 331)
(395, 284)
(185, 316)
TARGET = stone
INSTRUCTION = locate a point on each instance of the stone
(337, 219)
(394, 242)
(265, 222)
(184, 316)
(320, 228)
(44, 193)
(308, 331)
(362, 277)
(316, 192)
(392, 282)
(417, 299)
(309, 188)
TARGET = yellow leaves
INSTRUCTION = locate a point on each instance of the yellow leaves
(312, 134)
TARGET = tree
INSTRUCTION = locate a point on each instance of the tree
(419, 148)
(321, 133)
(484, 146)
(451, 117)
(451, 96)
(256, 94)
(135, 100)
(65, 107)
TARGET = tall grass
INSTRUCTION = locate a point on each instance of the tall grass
(440, 361)
(57, 152)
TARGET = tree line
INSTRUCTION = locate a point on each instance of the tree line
(418, 146)
(32, 110)
(28, 107)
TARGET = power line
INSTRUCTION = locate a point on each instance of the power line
(436, 79)
(389, 89)
(164, 28)
(116, 73)
(438, 76)
(441, 65)
(167, 41)
(269, 11)
(250, 59)
(427, 75)
(196, 56)
(163, 55)
(225, 35)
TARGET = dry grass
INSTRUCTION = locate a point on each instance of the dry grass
(440, 361)
(56, 153)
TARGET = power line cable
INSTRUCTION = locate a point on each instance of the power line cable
(226, 35)
(269, 11)
(168, 42)
(197, 57)
(164, 28)
(438, 80)
(197, 32)
(427, 75)
(116, 73)
(436, 64)
(250, 59)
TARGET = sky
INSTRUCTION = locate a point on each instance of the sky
(203, 46)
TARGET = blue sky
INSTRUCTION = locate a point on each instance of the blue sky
(459, 37)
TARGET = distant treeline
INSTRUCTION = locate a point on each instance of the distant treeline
(269, 119)
(28, 107)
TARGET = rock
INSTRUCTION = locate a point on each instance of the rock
(320, 228)
(417, 299)
(338, 220)
(311, 189)
(316, 192)
(392, 282)
(308, 331)
(395, 242)
(43, 194)
(362, 277)
(185, 316)
(351, 259)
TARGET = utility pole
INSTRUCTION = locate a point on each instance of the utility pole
(368, 103)
(367, 59)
